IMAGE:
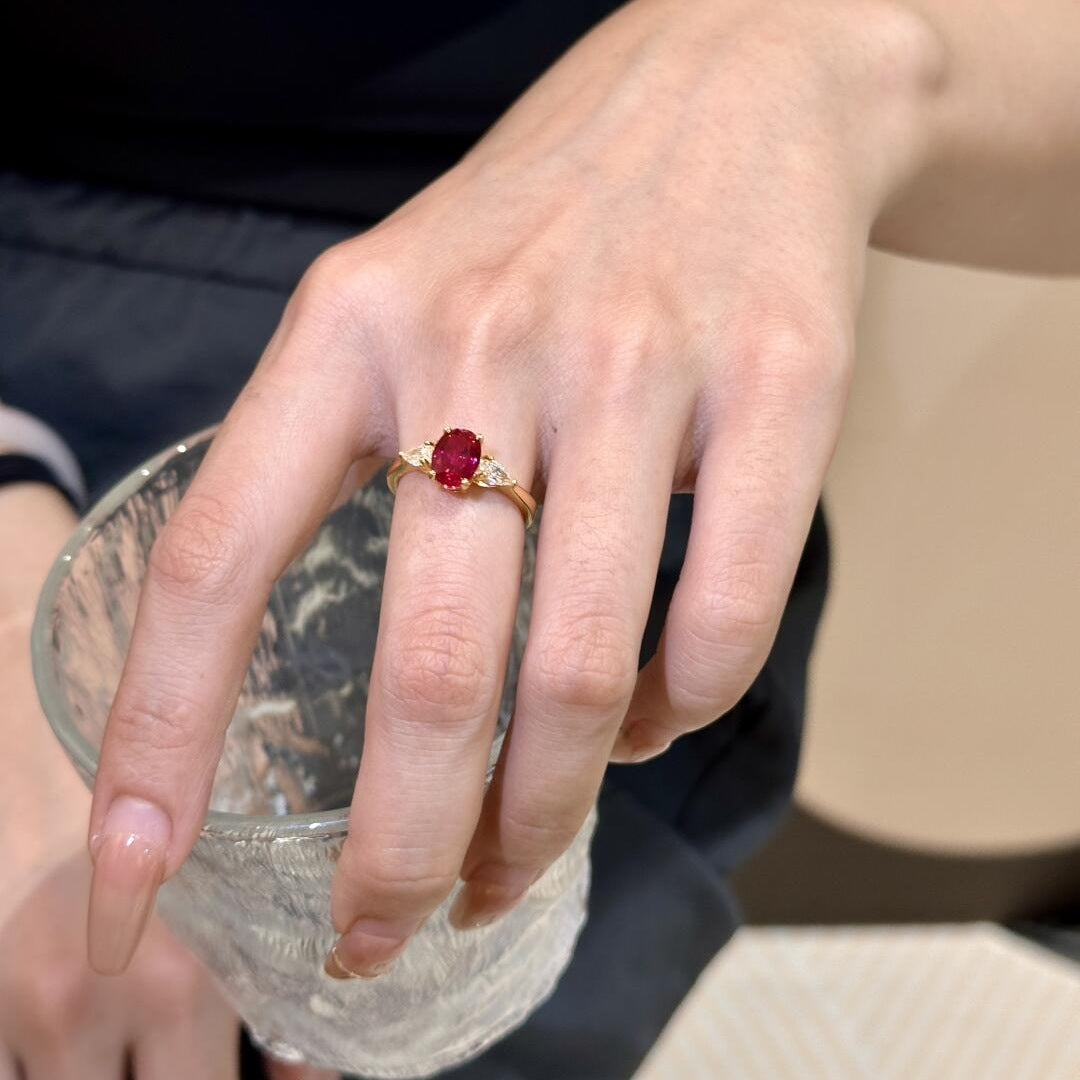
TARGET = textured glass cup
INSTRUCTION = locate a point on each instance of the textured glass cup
(252, 900)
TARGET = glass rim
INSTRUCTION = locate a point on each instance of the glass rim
(318, 823)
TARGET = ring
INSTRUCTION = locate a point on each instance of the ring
(457, 462)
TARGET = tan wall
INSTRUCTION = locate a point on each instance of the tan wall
(945, 707)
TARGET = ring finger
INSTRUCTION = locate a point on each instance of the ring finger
(452, 576)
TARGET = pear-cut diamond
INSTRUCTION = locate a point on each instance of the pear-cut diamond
(491, 474)
(419, 456)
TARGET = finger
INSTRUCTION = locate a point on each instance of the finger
(757, 486)
(268, 479)
(203, 1044)
(8, 1066)
(66, 1062)
(448, 604)
(57, 1028)
(598, 552)
(282, 1070)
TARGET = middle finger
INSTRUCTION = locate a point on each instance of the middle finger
(597, 558)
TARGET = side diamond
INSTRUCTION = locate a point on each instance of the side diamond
(490, 473)
(419, 456)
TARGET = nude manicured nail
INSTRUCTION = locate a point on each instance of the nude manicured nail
(488, 893)
(129, 864)
(369, 948)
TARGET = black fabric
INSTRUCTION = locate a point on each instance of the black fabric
(344, 109)
(128, 321)
(19, 468)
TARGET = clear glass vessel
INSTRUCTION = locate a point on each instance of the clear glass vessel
(252, 900)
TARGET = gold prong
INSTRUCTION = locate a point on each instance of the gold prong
(480, 436)
(447, 430)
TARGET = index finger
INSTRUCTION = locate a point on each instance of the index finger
(269, 477)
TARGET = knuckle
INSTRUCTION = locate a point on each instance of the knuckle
(153, 720)
(398, 879)
(345, 287)
(718, 645)
(435, 667)
(484, 313)
(53, 1000)
(538, 833)
(700, 691)
(202, 552)
(791, 351)
(626, 344)
(735, 612)
(588, 664)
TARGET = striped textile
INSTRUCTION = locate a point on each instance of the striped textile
(879, 1003)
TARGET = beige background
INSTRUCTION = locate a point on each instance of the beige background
(945, 704)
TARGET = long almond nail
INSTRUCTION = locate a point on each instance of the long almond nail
(369, 948)
(129, 863)
(489, 892)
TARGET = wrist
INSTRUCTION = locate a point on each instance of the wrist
(35, 523)
(861, 77)
(878, 69)
(908, 72)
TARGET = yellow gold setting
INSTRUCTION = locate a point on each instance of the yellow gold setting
(489, 473)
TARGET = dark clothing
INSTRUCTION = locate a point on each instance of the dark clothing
(151, 229)
(340, 109)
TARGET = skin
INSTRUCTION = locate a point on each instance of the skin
(60, 1020)
(662, 241)
(657, 241)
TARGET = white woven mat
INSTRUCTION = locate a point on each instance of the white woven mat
(882, 1003)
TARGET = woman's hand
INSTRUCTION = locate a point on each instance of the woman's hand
(644, 278)
(59, 1020)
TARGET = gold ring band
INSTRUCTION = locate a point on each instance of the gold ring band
(457, 462)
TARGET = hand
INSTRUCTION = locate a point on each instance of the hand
(61, 1021)
(58, 1019)
(644, 278)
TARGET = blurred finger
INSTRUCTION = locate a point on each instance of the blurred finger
(600, 542)
(757, 486)
(282, 1070)
(8, 1066)
(270, 476)
(62, 1062)
(185, 1050)
(448, 603)
(186, 1031)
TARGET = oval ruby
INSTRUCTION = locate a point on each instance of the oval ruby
(455, 457)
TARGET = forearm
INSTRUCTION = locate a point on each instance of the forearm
(956, 122)
(999, 184)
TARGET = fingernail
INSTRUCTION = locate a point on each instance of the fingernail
(129, 863)
(369, 948)
(633, 744)
(489, 892)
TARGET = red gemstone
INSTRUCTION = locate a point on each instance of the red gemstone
(455, 457)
